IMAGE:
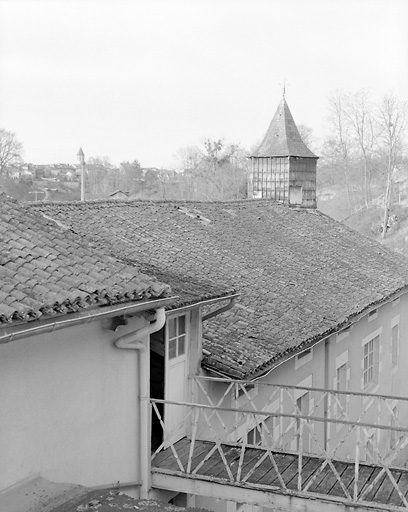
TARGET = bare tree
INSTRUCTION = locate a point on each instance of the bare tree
(11, 150)
(188, 161)
(392, 121)
(97, 182)
(359, 112)
(341, 141)
(306, 134)
(131, 177)
(223, 171)
(217, 172)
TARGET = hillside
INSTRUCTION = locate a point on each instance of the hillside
(369, 221)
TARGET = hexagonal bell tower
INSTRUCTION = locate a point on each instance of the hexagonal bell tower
(283, 168)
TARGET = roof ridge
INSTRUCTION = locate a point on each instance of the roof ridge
(143, 202)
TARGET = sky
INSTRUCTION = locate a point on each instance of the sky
(140, 79)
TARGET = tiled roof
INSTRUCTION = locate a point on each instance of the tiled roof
(300, 274)
(48, 270)
(283, 137)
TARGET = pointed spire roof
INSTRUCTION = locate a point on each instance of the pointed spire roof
(283, 137)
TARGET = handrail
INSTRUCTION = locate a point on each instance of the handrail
(279, 414)
(244, 383)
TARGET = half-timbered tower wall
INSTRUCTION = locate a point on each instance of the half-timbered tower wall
(302, 182)
(270, 178)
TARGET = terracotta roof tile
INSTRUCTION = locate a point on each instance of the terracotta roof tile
(46, 270)
(300, 273)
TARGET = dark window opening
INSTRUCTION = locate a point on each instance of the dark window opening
(304, 353)
(157, 385)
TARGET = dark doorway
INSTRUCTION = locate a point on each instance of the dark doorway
(157, 352)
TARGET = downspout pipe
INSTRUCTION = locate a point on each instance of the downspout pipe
(327, 386)
(136, 340)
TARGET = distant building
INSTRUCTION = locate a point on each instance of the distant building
(14, 173)
(26, 175)
(320, 307)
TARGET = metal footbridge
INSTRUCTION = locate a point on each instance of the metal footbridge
(287, 448)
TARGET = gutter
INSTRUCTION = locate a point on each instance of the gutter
(204, 302)
(230, 305)
(83, 317)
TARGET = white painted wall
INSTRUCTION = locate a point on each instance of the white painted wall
(68, 407)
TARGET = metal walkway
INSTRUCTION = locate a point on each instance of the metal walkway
(259, 442)
(258, 469)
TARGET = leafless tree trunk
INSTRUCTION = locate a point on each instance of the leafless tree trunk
(392, 122)
(342, 138)
(359, 112)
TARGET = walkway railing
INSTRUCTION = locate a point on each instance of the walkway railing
(342, 436)
(337, 406)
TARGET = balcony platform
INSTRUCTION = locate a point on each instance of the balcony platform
(284, 473)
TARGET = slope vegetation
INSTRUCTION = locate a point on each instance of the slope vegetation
(369, 223)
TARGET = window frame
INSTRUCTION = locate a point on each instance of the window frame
(178, 336)
(395, 342)
(340, 410)
(371, 349)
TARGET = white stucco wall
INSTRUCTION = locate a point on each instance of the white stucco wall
(68, 407)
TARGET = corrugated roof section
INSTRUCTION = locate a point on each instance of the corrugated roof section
(283, 138)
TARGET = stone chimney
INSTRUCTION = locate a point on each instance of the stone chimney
(283, 168)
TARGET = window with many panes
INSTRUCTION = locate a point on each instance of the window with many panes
(177, 336)
(370, 360)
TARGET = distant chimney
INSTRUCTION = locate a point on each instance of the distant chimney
(283, 168)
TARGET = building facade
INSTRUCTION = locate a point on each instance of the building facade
(319, 325)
